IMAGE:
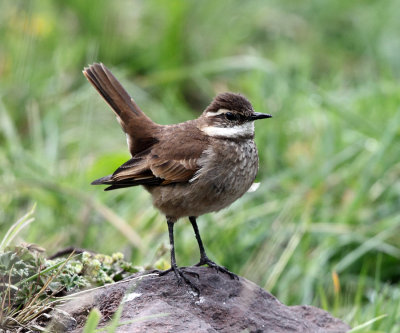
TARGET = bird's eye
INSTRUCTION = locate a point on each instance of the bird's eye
(230, 116)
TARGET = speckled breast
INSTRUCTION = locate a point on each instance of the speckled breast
(227, 170)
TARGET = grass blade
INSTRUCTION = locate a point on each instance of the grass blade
(92, 321)
(364, 325)
(16, 228)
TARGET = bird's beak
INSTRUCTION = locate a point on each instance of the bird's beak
(258, 115)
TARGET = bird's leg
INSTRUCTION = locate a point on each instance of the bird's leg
(204, 260)
(180, 275)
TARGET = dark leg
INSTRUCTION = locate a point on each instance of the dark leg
(204, 260)
(178, 272)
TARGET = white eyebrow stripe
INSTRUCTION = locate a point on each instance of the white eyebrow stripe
(216, 113)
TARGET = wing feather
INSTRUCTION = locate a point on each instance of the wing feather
(174, 159)
(173, 171)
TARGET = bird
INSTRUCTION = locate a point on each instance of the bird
(190, 168)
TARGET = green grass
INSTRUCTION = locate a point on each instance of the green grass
(329, 73)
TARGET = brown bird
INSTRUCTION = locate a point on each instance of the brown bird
(190, 169)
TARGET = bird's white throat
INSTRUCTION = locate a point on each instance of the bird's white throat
(243, 130)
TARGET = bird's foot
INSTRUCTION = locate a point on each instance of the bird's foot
(180, 274)
(206, 261)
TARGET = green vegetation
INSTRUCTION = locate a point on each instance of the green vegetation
(31, 285)
(324, 226)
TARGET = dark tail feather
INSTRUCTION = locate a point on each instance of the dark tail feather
(102, 180)
(116, 187)
(132, 182)
(112, 91)
(107, 180)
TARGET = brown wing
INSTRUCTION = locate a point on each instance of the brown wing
(174, 171)
(174, 159)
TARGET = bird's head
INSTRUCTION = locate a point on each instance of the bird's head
(231, 116)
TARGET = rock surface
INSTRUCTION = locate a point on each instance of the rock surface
(157, 304)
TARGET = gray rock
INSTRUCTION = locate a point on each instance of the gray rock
(157, 304)
(61, 321)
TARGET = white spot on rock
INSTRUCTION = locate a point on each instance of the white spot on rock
(130, 297)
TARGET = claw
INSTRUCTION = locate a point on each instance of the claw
(212, 264)
(188, 271)
(180, 276)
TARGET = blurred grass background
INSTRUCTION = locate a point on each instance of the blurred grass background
(324, 226)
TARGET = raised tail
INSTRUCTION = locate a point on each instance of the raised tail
(112, 91)
(138, 127)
